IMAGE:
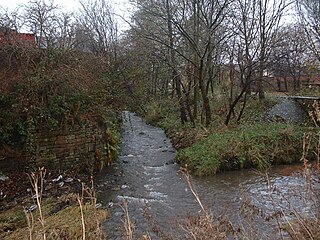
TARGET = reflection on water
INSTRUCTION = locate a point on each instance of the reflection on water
(146, 167)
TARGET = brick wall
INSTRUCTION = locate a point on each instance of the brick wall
(82, 148)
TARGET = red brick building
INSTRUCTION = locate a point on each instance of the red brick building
(12, 37)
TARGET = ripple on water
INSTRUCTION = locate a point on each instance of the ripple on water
(138, 199)
(158, 195)
(154, 182)
(283, 193)
(156, 169)
(151, 187)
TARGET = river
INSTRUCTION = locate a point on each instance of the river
(146, 175)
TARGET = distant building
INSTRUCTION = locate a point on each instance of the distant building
(11, 37)
(294, 83)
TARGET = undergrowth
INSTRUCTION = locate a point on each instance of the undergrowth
(53, 90)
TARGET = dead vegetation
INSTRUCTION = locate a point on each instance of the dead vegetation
(69, 216)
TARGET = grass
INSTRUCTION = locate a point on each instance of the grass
(71, 215)
(307, 91)
(65, 224)
(253, 142)
(258, 145)
(10, 220)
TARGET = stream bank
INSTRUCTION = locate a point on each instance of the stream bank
(270, 133)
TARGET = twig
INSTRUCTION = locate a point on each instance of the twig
(34, 179)
(128, 226)
(30, 222)
(82, 217)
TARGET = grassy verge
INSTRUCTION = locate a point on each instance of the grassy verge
(258, 145)
(64, 224)
(251, 143)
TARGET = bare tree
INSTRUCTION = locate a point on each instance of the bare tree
(255, 26)
(309, 16)
(42, 19)
(65, 34)
(289, 57)
(191, 32)
(270, 13)
(174, 74)
(10, 19)
(97, 18)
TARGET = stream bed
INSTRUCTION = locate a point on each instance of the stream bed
(147, 177)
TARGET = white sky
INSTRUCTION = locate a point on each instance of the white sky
(69, 5)
(121, 7)
(12, 4)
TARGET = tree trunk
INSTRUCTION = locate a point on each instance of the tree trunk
(174, 73)
(195, 5)
(195, 97)
(260, 80)
(205, 98)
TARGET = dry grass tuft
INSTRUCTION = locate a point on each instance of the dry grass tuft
(127, 223)
(204, 226)
(72, 216)
(66, 224)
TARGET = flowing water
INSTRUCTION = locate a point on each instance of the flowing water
(147, 177)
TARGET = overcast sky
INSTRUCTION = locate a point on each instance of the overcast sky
(69, 5)
(121, 7)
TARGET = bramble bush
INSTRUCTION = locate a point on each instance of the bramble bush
(49, 89)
